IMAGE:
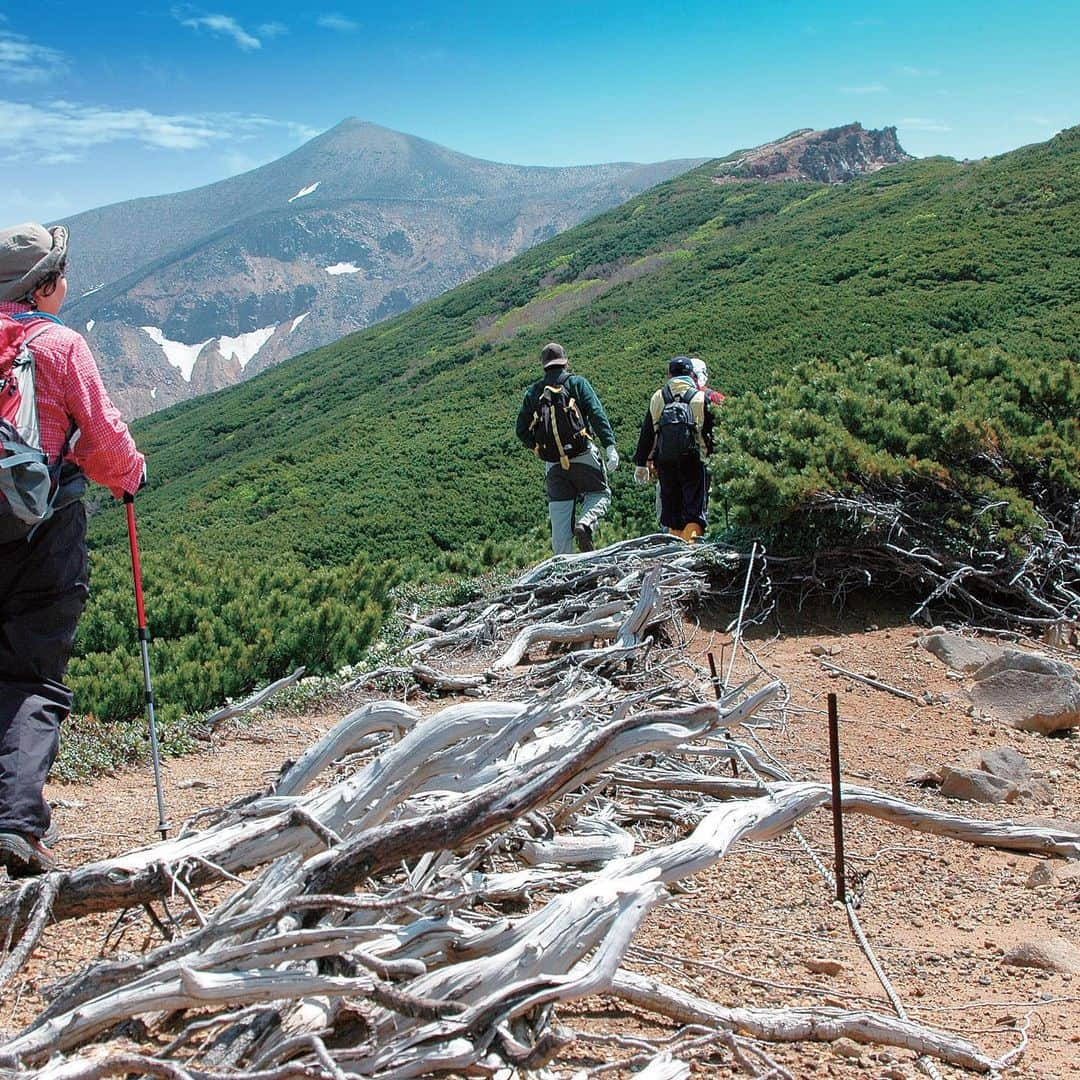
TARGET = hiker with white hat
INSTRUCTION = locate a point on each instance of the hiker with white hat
(675, 441)
(54, 415)
(561, 420)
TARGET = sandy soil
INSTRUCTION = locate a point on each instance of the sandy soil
(939, 913)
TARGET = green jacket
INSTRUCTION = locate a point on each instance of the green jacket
(592, 412)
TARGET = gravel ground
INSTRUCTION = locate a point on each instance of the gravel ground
(755, 929)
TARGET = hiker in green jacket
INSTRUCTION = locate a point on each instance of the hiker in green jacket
(561, 420)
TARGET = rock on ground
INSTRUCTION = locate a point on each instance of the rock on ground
(1051, 954)
(1029, 700)
(960, 653)
(974, 785)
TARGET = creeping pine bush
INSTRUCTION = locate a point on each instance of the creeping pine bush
(983, 444)
(219, 627)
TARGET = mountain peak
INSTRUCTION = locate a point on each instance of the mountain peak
(832, 156)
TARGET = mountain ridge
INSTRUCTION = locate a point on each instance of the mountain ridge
(357, 224)
(354, 226)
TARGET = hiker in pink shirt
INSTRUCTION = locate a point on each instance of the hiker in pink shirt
(43, 570)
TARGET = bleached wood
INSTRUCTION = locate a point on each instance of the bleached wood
(255, 700)
(595, 841)
(184, 990)
(559, 633)
(341, 738)
(801, 1024)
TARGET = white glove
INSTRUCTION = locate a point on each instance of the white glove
(641, 475)
(612, 458)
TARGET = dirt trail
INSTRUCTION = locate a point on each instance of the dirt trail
(750, 930)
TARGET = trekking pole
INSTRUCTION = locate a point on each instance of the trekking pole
(144, 643)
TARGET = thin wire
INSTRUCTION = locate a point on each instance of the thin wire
(742, 608)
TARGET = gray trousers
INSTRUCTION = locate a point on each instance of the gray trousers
(586, 479)
(43, 589)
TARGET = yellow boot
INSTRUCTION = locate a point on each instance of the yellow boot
(692, 533)
(677, 532)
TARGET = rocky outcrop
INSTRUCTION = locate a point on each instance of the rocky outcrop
(1025, 690)
(974, 785)
(834, 156)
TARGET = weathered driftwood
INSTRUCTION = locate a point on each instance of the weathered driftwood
(444, 682)
(571, 947)
(801, 1025)
(875, 683)
(557, 633)
(187, 989)
(256, 699)
(458, 740)
(484, 801)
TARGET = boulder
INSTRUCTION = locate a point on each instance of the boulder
(1020, 660)
(1002, 761)
(1029, 700)
(1051, 954)
(974, 785)
(960, 653)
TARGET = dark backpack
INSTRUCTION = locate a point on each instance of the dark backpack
(676, 430)
(558, 429)
(28, 484)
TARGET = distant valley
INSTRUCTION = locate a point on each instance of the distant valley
(184, 294)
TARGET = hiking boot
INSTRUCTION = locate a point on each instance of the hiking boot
(24, 855)
(692, 533)
(583, 536)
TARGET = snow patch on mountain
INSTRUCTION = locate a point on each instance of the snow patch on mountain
(90, 292)
(298, 320)
(244, 346)
(89, 325)
(343, 268)
(178, 354)
(305, 191)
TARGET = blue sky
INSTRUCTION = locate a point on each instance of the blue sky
(106, 101)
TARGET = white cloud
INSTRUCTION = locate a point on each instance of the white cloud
(22, 61)
(868, 88)
(271, 29)
(63, 131)
(922, 123)
(222, 25)
(337, 22)
(918, 72)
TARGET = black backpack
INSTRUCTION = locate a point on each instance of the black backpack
(676, 430)
(558, 428)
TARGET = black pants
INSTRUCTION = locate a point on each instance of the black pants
(43, 590)
(684, 492)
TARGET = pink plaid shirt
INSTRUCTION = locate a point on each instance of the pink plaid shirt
(69, 389)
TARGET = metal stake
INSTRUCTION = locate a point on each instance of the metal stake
(837, 808)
